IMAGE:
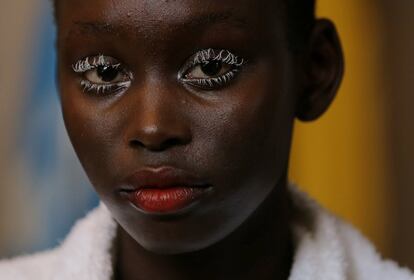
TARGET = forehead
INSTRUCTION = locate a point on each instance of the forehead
(150, 14)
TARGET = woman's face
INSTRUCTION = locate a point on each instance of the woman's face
(197, 91)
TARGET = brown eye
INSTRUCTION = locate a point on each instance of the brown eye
(211, 68)
(105, 74)
(207, 70)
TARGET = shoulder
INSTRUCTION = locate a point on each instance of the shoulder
(329, 248)
(36, 266)
(84, 254)
(363, 259)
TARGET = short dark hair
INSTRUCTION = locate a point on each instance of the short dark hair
(300, 20)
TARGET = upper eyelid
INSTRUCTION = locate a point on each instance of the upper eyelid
(223, 55)
(206, 55)
(88, 63)
(91, 62)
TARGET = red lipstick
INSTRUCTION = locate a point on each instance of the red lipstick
(166, 200)
(164, 190)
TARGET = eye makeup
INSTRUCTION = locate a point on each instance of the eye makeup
(224, 56)
(198, 72)
(102, 75)
(207, 69)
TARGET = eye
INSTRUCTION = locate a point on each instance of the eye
(103, 74)
(211, 69)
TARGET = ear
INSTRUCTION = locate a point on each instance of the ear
(323, 71)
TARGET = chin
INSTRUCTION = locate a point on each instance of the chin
(170, 239)
(173, 248)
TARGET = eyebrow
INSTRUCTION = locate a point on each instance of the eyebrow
(97, 27)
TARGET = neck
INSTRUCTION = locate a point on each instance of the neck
(261, 248)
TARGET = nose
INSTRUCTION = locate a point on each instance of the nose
(157, 122)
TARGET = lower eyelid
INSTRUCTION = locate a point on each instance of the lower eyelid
(104, 88)
(209, 83)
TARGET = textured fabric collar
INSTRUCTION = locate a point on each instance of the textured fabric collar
(86, 252)
(319, 253)
(326, 248)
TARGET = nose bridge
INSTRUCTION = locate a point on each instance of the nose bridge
(157, 121)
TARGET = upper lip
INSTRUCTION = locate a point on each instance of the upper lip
(161, 178)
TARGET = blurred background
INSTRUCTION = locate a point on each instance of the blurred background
(357, 160)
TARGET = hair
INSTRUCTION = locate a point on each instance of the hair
(300, 20)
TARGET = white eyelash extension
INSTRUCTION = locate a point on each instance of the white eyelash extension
(208, 55)
(225, 56)
(90, 63)
(87, 64)
(211, 82)
(104, 88)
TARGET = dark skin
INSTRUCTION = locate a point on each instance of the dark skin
(236, 135)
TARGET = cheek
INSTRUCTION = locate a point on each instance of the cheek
(249, 133)
(93, 132)
(250, 122)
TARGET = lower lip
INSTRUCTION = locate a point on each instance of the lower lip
(167, 200)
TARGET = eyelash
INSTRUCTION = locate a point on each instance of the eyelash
(88, 86)
(200, 58)
(90, 63)
(209, 55)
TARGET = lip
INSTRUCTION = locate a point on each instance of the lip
(164, 190)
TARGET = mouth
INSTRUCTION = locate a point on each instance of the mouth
(166, 201)
(164, 191)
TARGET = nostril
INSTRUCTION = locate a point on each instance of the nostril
(171, 142)
(136, 143)
(158, 146)
(157, 138)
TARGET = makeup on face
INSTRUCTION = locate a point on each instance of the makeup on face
(164, 190)
(207, 69)
(176, 113)
(102, 74)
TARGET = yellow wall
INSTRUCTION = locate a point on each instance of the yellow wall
(341, 158)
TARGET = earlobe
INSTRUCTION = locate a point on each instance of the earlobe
(323, 71)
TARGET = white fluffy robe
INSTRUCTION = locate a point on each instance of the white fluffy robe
(326, 249)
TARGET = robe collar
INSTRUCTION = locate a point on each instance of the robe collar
(319, 254)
